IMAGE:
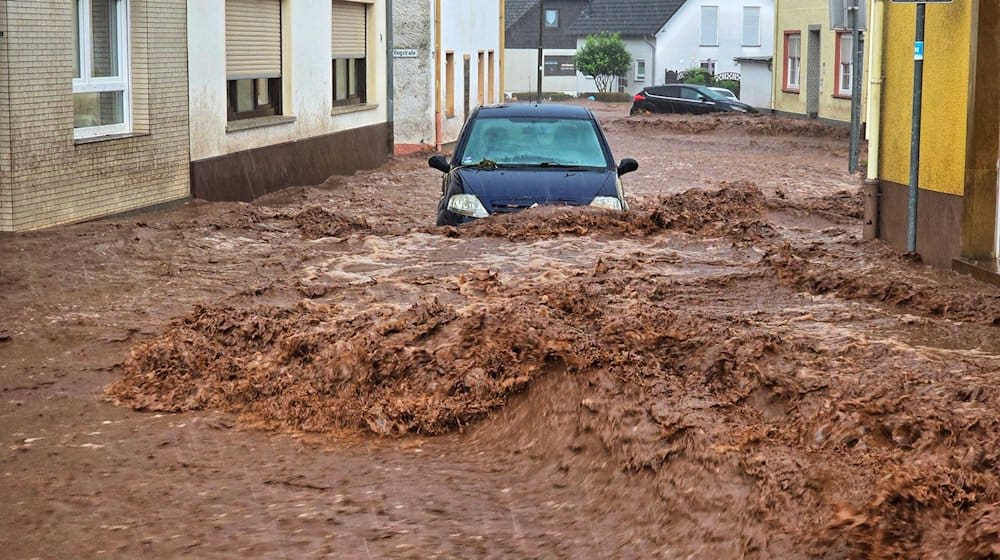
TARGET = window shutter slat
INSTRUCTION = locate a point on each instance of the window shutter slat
(253, 39)
(349, 36)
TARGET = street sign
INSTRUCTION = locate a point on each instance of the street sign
(405, 53)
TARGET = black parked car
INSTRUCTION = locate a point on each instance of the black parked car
(685, 98)
(512, 157)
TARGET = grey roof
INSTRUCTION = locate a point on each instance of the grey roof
(630, 18)
(516, 9)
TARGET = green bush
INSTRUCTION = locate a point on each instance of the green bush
(608, 96)
(731, 85)
(546, 95)
(698, 76)
(603, 57)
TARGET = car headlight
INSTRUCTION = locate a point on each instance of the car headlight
(738, 109)
(609, 202)
(467, 205)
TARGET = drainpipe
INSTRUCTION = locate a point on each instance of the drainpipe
(390, 83)
(876, 33)
(652, 45)
(438, 56)
(503, 47)
(777, 56)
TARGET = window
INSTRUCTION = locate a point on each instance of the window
(793, 60)
(253, 58)
(560, 66)
(690, 93)
(709, 26)
(449, 81)
(552, 19)
(349, 51)
(751, 26)
(101, 93)
(845, 65)
(640, 70)
(669, 91)
(492, 78)
(708, 66)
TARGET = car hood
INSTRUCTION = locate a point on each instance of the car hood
(507, 189)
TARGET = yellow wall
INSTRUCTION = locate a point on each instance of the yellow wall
(799, 15)
(945, 95)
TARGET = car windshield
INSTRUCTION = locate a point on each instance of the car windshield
(553, 142)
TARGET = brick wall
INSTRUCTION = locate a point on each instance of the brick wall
(55, 180)
(5, 194)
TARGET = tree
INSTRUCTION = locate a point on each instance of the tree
(603, 57)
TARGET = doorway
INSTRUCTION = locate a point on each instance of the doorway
(813, 72)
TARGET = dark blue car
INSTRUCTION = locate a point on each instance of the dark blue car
(512, 157)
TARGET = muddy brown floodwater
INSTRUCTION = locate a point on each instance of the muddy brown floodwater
(725, 371)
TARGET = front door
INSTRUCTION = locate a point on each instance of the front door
(813, 74)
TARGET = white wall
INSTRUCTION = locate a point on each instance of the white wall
(307, 77)
(640, 50)
(679, 41)
(468, 27)
(756, 84)
(521, 69)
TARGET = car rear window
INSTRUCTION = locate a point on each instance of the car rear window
(534, 141)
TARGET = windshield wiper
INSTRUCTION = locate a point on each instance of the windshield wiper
(557, 165)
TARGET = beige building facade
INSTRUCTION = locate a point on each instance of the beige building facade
(812, 62)
(93, 109)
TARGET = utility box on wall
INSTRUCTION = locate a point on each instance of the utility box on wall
(839, 14)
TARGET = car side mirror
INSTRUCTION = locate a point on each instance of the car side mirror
(440, 163)
(627, 165)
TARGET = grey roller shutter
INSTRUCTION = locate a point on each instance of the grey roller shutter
(253, 39)
(349, 30)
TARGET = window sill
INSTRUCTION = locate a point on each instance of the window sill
(347, 109)
(789, 90)
(841, 96)
(108, 138)
(261, 122)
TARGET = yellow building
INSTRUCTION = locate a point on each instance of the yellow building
(957, 202)
(812, 62)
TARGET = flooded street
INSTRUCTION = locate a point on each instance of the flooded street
(725, 371)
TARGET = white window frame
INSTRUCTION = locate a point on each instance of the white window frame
(795, 83)
(86, 83)
(640, 77)
(747, 43)
(848, 62)
(702, 41)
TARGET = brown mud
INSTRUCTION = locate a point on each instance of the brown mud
(754, 125)
(725, 210)
(725, 371)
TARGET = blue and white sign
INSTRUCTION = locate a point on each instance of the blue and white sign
(918, 50)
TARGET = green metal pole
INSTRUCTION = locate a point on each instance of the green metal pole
(918, 97)
(857, 76)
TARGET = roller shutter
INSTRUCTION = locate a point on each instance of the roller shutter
(253, 39)
(349, 30)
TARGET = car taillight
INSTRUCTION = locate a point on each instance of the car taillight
(639, 97)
